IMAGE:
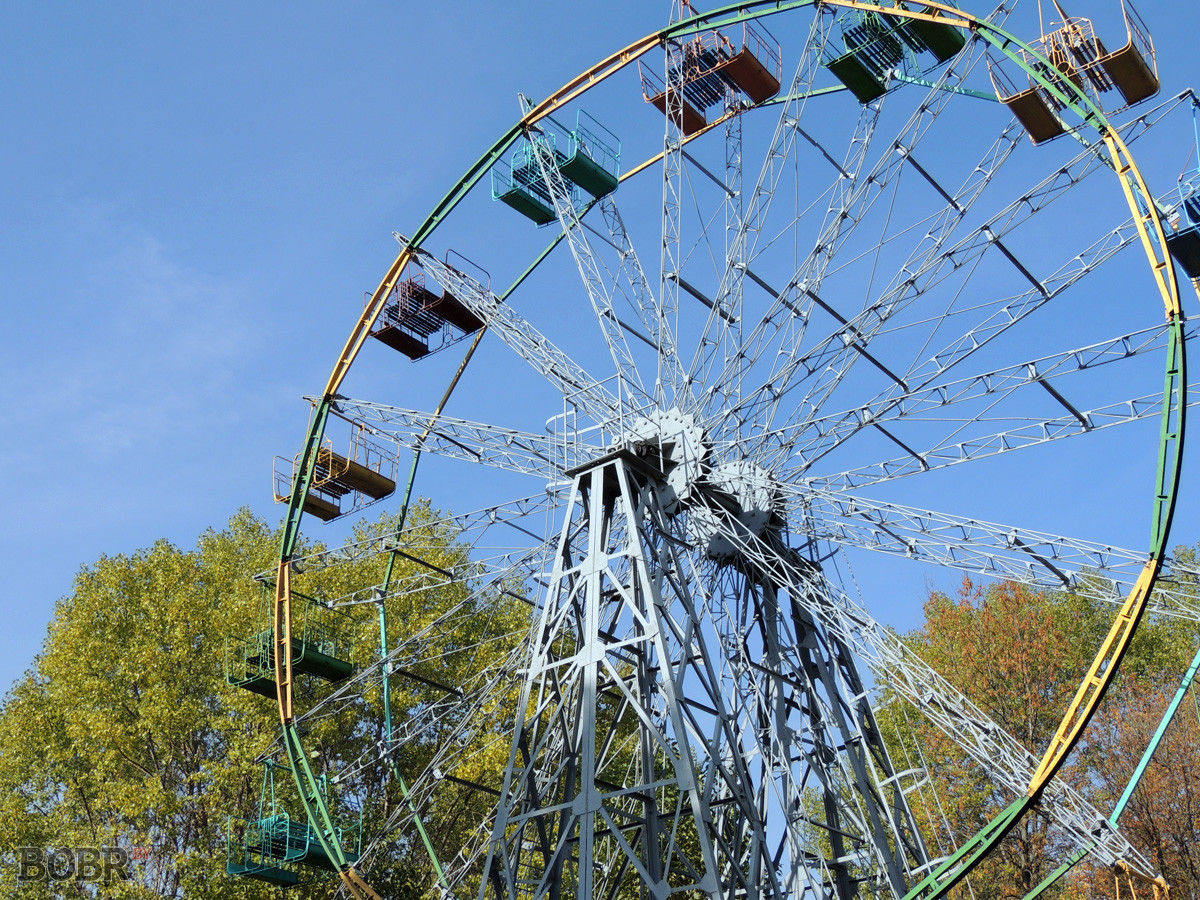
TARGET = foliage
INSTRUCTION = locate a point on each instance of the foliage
(1004, 646)
(125, 733)
(1020, 654)
(1163, 815)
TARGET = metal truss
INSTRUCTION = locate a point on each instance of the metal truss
(801, 293)
(649, 748)
(824, 433)
(823, 750)
(474, 442)
(1047, 561)
(589, 269)
(641, 299)
(469, 528)
(753, 214)
(623, 736)
(832, 358)
(904, 672)
(952, 452)
(670, 246)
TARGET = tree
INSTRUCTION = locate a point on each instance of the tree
(1019, 654)
(125, 733)
(1004, 647)
(1163, 816)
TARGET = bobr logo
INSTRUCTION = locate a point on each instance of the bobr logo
(90, 864)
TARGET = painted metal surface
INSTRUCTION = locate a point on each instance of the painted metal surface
(1147, 219)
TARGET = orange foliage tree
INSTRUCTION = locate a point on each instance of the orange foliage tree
(1019, 653)
(1004, 646)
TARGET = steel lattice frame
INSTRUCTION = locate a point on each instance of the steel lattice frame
(692, 716)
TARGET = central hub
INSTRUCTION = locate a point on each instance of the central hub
(726, 502)
(741, 500)
(673, 443)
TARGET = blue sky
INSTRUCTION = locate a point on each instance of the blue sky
(196, 197)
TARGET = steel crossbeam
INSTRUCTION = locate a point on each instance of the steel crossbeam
(468, 527)
(756, 208)
(570, 221)
(489, 445)
(830, 359)
(649, 744)
(762, 404)
(641, 300)
(825, 433)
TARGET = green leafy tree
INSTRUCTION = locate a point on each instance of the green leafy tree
(125, 733)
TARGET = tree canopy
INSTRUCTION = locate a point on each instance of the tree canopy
(125, 733)
(1019, 654)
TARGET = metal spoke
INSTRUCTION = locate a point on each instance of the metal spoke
(953, 452)
(830, 360)
(431, 575)
(489, 445)
(535, 348)
(589, 269)
(754, 217)
(826, 433)
(468, 527)
(1043, 560)
(796, 299)
(413, 646)
(845, 211)
(669, 376)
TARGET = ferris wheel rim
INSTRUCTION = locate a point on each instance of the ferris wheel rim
(586, 80)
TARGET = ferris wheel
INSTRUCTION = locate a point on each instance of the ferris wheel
(886, 260)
